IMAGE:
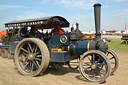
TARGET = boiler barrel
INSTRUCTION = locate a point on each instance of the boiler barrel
(78, 47)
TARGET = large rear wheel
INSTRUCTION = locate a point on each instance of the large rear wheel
(31, 57)
(94, 66)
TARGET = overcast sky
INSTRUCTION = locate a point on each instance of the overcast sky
(113, 12)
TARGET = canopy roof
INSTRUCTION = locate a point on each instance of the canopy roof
(40, 23)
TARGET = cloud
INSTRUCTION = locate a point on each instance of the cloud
(117, 0)
(81, 4)
(32, 14)
(4, 7)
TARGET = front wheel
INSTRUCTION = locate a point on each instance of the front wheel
(113, 58)
(94, 66)
(31, 57)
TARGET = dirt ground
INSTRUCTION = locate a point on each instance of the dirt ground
(112, 36)
(62, 76)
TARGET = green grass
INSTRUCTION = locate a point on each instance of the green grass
(116, 45)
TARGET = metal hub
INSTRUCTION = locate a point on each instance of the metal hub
(30, 57)
(93, 66)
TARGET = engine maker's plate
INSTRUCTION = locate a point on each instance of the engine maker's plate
(61, 39)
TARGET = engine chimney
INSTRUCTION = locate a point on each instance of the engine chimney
(97, 10)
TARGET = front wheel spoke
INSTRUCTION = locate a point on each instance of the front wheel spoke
(35, 64)
(94, 74)
(88, 64)
(111, 58)
(24, 50)
(89, 73)
(30, 47)
(93, 61)
(87, 68)
(89, 58)
(102, 72)
(101, 69)
(99, 65)
(98, 60)
(98, 73)
(107, 53)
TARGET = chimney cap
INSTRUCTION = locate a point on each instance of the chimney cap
(98, 4)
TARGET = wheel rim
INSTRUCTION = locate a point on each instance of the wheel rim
(113, 60)
(94, 67)
(30, 58)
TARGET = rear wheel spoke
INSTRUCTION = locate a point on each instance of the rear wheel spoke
(35, 49)
(38, 59)
(35, 64)
(25, 53)
(38, 55)
(24, 50)
(38, 64)
(28, 50)
(30, 47)
(32, 67)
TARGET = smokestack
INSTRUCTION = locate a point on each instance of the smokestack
(97, 12)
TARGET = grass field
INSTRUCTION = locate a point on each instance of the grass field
(117, 46)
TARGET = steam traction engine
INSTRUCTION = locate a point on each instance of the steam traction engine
(34, 55)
